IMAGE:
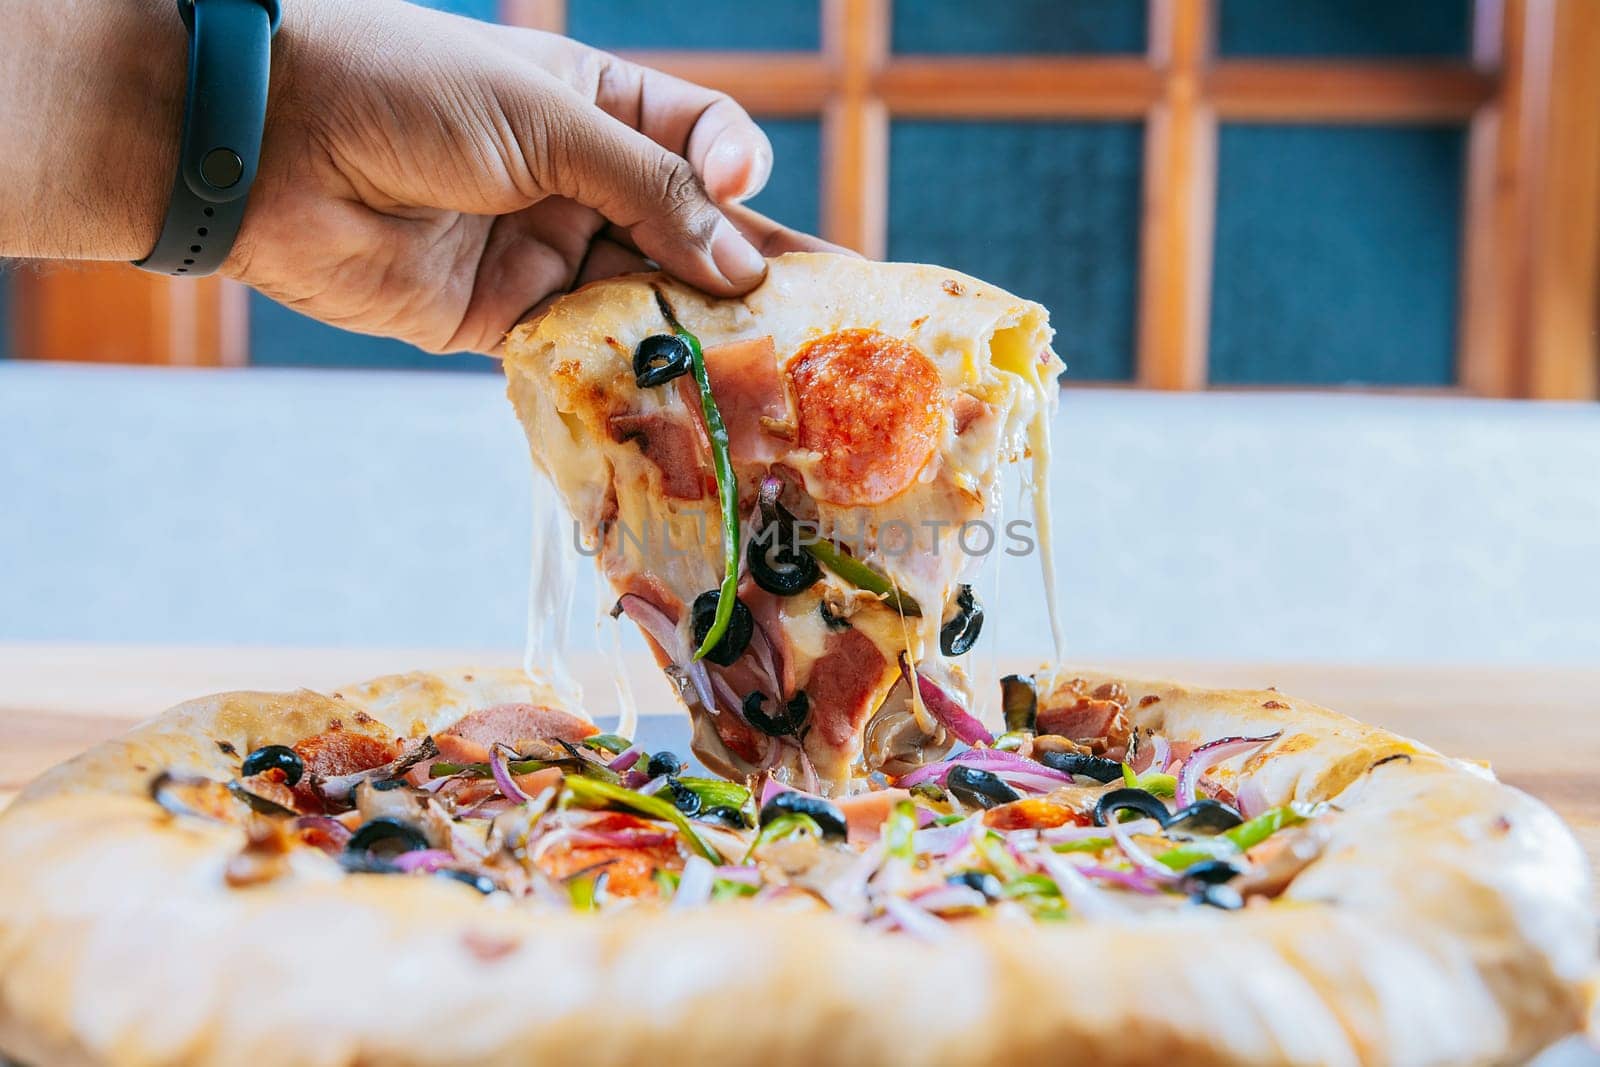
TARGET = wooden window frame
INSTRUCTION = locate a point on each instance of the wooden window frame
(1528, 95)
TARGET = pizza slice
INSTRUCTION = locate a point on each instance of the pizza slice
(791, 493)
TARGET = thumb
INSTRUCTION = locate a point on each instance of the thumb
(588, 156)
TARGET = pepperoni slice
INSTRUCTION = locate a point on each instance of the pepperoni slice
(873, 407)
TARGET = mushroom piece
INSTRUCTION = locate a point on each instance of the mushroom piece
(894, 741)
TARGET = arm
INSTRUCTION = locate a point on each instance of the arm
(423, 176)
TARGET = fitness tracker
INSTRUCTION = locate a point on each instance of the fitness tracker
(230, 59)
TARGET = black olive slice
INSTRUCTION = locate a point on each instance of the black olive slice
(1205, 816)
(274, 757)
(984, 789)
(660, 358)
(826, 814)
(788, 721)
(481, 882)
(740, 627)
(1210, 872)
(684, 799)
(1138, 800)
(723, 815)
(829, 619)
(1218, 896)
(259, 804)
(1020, 701)
(778, 563)
(982, 881)
(664, 762)
(386, 836)
(958, 635)
(1097, 767)
(366, 863)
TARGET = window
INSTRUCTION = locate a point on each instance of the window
(1206, 193)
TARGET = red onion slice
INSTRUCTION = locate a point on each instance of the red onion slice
(914, 920)
(945, 708)
(695, 884)
(626, 760)
(1135, 880)
(502, 776)
(1083, 896)
(1157, 871)
(741, 875)
(655, 622)
(426, 860)
(1063, 835)
(1209, 755)
(1017, 770)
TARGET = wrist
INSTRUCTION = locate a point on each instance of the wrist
(93, 126)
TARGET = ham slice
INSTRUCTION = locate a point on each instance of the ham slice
(841, 686)
(748, 388)
(676, 446)
(469, 740)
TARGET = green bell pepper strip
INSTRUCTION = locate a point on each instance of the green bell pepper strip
(615, 744)
(1153, 782)
(991, 846)
(1241, 838)
(899, 831)
(784, 825)
(584, 891)
(861, 576)
(441, 769)
(727, 483)
(592, 792)
(716, 793)
(1085, 844)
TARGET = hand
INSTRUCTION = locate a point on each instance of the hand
(434, 178)
(423, 176)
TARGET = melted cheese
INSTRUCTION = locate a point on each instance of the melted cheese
(552, 583)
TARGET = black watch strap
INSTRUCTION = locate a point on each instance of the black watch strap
(230, 60)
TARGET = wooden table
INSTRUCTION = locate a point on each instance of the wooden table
(1539, 728)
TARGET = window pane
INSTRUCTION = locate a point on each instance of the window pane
(961, 26)
(1050, 211)
(1336, 255)
(791, 192)
(5, 314)
(1345, 27)
(283, 338)
(773, 25)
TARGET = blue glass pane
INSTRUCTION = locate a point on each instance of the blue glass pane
(283, 338)
(961, 26)
(1336, 255)
(1345, 27)
(791, 192)
(488, 10)
(780, 25)
(1050, 211)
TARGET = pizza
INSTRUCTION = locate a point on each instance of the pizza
(450, 867)
(791, 493)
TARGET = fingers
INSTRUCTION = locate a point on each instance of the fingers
(719, 139)
(773, 238)
(578, 151)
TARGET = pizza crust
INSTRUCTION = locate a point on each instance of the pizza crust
(1446, 922)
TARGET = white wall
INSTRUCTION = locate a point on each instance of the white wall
(330, 508)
